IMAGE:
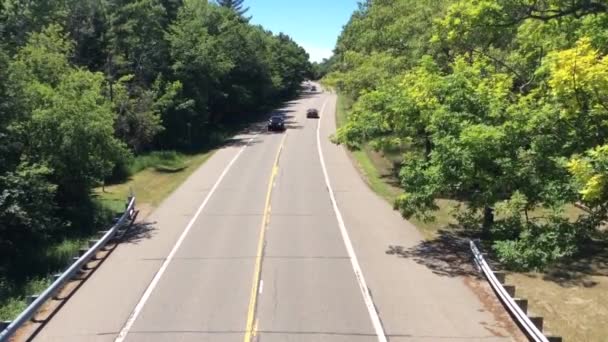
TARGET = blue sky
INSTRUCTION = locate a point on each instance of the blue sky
(314, 24)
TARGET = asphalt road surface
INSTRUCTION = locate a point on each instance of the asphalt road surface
(274, 238)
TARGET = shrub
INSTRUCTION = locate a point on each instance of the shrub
(540, 245)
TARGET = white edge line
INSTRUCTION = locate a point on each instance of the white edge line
(144, 298)
(367, 298)
(261, 286)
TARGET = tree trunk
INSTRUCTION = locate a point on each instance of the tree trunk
(488, 221)
(428, 147)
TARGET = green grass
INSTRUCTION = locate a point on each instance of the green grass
(15, 301)
(13, 295)
(169, 161)
(159, 174)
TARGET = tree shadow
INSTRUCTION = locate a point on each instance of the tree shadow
(139, 231)
(447, 255)
(239, 142)
(307, 95)
(578, 271)
(282, 112)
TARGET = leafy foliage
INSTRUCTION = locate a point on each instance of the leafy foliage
(235, 5)
(490, 102)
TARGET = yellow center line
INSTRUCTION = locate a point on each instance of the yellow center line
(252, 324)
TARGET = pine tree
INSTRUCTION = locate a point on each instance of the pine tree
(235, 5)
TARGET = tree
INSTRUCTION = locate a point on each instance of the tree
(235, 5)
(500, 105)
(71, 122)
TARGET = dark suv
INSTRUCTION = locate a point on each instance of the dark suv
(276, 123)
(312, 113)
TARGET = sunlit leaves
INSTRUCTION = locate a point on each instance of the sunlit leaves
(591, 175)
(579, 79)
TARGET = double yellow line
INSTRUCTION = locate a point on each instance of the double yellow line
(252, 326)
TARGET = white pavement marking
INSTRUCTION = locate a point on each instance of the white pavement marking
(367, 298)
(261, 286)
(144, 298)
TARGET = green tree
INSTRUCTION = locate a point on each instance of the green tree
(235, 5)
(496, 104)
(71, 123)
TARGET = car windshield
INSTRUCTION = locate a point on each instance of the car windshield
(276, 119)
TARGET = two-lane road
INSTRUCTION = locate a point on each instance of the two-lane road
(275, 238)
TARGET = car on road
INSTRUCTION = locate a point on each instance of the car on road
(312, 113)
(313, 88)
(276, 123)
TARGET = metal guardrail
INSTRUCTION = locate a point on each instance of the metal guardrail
(57, 285)
(516, 312)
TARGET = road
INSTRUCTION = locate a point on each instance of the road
(274, 238)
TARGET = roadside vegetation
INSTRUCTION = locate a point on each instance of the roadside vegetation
(98, 97)
(157, 175)
(489, 118)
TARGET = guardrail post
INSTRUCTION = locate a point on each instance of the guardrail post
(538, 321)
(510, 290)
(55, 277)
(522, 303)
(4, 324)
(31, 299)
(80, 271)
(101, 234)
(501, 276)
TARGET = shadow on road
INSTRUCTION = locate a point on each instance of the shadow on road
(239, 142)
(447, 255)
(138, 232)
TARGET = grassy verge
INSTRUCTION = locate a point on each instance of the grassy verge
(13, 293)
(573, 303)
(158, 175)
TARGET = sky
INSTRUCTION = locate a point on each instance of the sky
(314, 24)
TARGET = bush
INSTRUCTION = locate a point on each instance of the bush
(538, 246)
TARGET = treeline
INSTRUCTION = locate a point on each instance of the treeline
(501, 105)
(320, 69)
(87, 84)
